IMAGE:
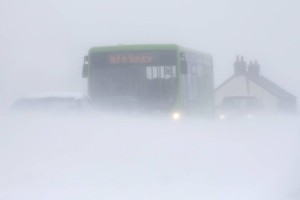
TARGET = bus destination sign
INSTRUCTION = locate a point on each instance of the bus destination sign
(132, 58)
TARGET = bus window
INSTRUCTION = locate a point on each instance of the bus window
(162, 72)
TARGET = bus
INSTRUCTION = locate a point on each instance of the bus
(150, 78)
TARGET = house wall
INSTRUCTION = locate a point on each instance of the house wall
(270, 102)
(241, 85)
(236, 86)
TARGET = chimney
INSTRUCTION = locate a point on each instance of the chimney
(240, 66)
(254, 69)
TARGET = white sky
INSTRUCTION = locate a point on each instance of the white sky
(42, 42)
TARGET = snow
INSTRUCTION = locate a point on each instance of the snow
(113, 157)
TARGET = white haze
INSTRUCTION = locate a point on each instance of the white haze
(117, 157)
(42, 44)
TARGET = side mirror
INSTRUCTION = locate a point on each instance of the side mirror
(183, 66)
(85, 68)
(183, 63)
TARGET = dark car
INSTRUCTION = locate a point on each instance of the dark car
(239, 106)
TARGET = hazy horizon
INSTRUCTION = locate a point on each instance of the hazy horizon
(43, 42)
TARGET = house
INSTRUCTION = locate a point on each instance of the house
(247, 80)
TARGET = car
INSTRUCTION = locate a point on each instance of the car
(240, 106)
(60, 102)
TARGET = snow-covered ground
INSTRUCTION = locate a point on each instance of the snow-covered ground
(138, 158)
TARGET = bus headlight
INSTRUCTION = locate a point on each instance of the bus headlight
(176, 115)
(222, 116)
(249, 116)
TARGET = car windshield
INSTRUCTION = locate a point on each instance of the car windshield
(241, 103)
(46, 104)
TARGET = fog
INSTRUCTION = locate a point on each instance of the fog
(42, 45)
(113, 157)
(43, 42)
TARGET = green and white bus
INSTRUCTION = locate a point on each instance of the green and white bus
(164, 78)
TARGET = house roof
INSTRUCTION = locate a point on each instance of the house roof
(265, 83)
(273, 88)
(225, 82)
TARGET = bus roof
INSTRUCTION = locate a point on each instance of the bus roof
(185, 49)
(137, 47)
(134, 47)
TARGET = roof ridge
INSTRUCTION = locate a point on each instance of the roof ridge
(271, 86)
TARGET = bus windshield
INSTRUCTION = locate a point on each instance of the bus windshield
(148, 83)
